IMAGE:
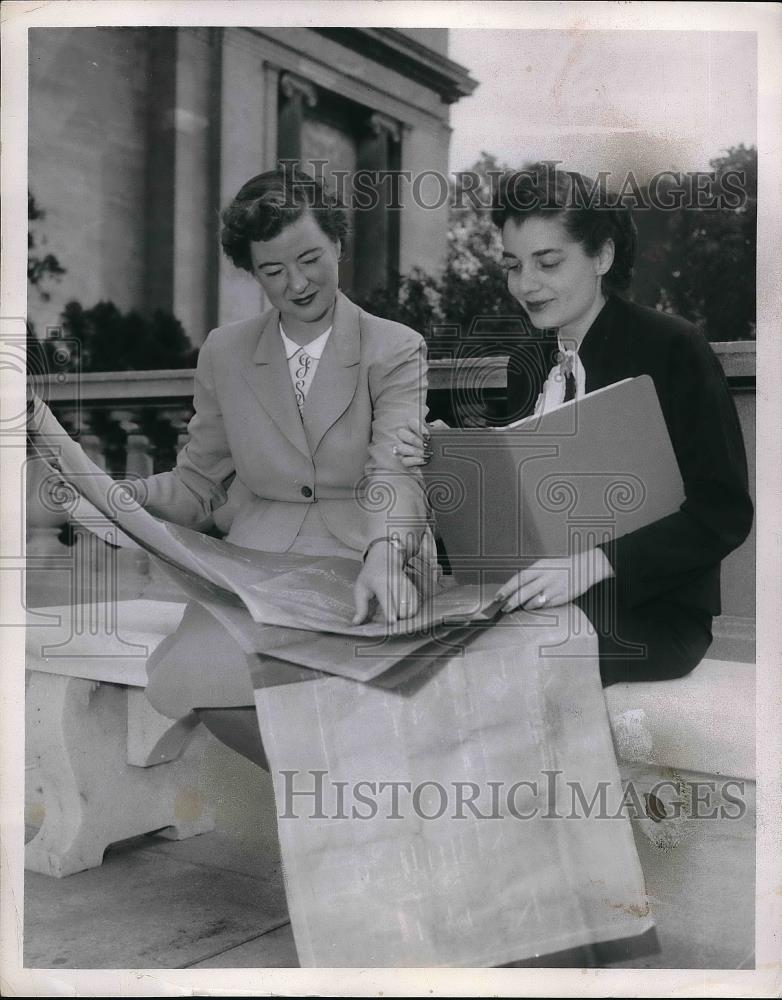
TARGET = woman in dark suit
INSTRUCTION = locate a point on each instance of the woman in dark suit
(650, 594)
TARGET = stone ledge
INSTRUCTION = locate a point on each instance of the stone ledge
(704, 722)
(737, 358)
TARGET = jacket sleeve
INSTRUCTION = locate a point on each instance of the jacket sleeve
(394, 500)
(197, 485)
(716, 515)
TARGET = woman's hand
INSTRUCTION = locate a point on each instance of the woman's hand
(552, 582)
(413, 446)
(384, 580)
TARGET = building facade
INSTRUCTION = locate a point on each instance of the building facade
(139, 136)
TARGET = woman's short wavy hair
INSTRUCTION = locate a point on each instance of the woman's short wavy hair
(542, 190)
(272, 201)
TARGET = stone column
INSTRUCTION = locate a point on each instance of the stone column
(296, 94)
(160, 170)
(197, 178)
(246, 147)
(377, 227)
(182, 179)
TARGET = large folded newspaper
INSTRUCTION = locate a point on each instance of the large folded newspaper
(385, 863)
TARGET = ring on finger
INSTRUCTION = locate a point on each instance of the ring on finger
(542, 599)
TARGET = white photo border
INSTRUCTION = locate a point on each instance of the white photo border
(766, 979)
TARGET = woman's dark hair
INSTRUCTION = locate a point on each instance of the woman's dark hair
(271, 202)
(590, 215)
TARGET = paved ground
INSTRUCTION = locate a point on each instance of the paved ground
(157, 903)
(217, 901)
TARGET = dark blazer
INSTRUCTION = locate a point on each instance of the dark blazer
(676, 559)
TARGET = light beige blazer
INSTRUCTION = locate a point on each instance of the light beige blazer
(247, 433)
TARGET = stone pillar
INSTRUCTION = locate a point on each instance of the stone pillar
(160, 170)
(196, 120)
(424, 230)
(296, 94)
(247, 147)
(377, 227)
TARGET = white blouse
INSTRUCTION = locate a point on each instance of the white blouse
(553, 394)
(303, 362)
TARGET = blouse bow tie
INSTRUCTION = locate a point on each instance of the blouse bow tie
(566, 361)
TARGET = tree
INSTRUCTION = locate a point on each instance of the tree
(102, 338)
(40, 269)
(711, 256)
(697, 262)
(111, 340)
(472, 285)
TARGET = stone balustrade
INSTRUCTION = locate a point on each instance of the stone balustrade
(122, 401)
(129, 401)
(133, 423)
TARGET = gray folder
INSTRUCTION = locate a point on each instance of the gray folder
(555, 484)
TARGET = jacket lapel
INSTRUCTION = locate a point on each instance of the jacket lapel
(269, 377)
(336, 378)
(603, 349)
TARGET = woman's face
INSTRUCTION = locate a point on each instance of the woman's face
(299, 271)
(552, 276)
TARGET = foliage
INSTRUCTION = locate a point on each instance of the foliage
(40, 269)
(711, 256)
(412, 299)
(110, 340)
(697, 262)
(472, 285)
(102, 338)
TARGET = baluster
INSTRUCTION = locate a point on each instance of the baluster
(77, 423)
(48, 507)
(103, 573)
(138, 461)
(55, 569)
(90, 441)
(93, 449)
(148, 580)
(69, 418)
(47, 559)
(178, 420)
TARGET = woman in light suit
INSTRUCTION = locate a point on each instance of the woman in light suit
(291, 445)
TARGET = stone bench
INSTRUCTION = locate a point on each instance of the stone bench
(703, 723)
(104, 766)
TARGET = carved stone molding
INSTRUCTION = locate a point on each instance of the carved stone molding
(296, 87)
(381, 124)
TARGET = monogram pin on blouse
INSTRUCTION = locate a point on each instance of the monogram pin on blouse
(303, 363)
